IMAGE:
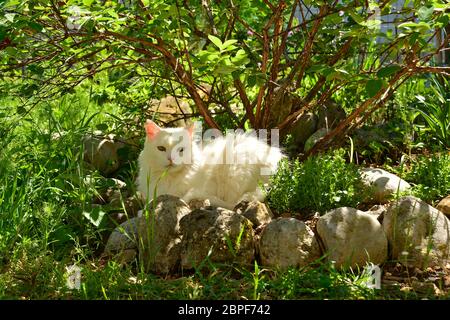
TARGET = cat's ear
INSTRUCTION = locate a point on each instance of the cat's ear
(151, 129)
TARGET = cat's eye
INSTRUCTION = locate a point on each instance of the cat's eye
(180, 150)
(161, 148)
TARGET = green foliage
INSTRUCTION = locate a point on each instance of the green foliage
(65, 70)
(319, 184)
(323, 282)
(434, 108)
(251, 53)
(430, 176)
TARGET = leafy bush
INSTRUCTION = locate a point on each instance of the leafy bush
(434, 108)
(266, 62)
(320, 183)
(431, 176)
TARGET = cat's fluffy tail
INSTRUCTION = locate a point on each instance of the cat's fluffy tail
(257, 152)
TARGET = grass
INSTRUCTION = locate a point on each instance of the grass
(44, 228)
(431, 177)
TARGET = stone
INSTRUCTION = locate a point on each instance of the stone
(199, 203)
(257, 212)
(418, 234)
(124, 237)
(156, 235)
(288, 242)
(170, 110)
(378, 211)
(330, 114)
(444, 206)
(425, 288)
(382, 141)
(382, 185)
(314, 138)
(303, 128)
(129, 205)
(221, 235)
(285, 102)
(101, 152)
(352, 237)
(160, 233)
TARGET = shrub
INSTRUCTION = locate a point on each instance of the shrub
(431, 176)
(435, 110)
(319, 184)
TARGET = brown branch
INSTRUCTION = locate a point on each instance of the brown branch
(440, 70)
(300, 64)
(210, 16)
(142, 6)
(315, 89)
(274, 69)
(380, 96)
(243, 95)
(247, 26)
(271, 6)
(178, 68)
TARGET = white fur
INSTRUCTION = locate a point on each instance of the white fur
(209, 175)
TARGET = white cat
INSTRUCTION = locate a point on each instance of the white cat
(226, 171)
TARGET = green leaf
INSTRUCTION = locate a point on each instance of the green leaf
(21, 110)
(95, 216)
(421, 27)
(10, 17)
(240, 59)
(102, 126)
(442, 22)
(371, 23)
(216, 41)
(358, 19)
(88, 3)
(225, 68)
(35, 26)
(425, 13)
(316, 68)
(388, 71)
(373, 86)
(229, 43)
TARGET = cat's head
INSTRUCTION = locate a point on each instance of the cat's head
(168, 148)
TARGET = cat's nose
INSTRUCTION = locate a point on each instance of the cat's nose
(170, 161)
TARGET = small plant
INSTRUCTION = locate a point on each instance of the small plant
(431, 176)
(323, 282)
(319, 184)
(435, 110)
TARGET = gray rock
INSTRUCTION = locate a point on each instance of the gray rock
(155, 235)
(444, 206)
(199, 203)
(418, 234)
(378, 211)
(287, 242)
(257, 212)
(124, 237)
(352, 237)
(170, 109)
(382, 185)
(160, 233)
(304, 127)
(101, 152)
(314, 138)
(217, 233)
